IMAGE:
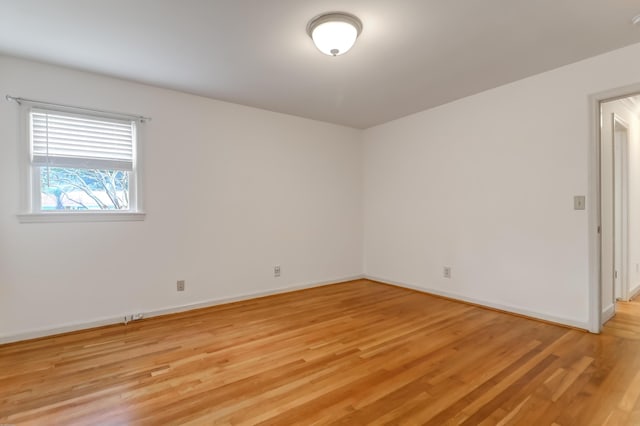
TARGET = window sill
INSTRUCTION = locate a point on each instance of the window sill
(65, 217)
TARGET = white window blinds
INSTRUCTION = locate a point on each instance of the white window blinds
(60, 139)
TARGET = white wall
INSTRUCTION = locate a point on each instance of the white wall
(229, 192)
(485, 185)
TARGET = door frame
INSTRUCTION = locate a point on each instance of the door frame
(624, 205)
(594, 205)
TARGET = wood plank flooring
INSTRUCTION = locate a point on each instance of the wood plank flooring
(353, 353)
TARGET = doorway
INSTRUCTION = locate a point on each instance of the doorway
(619, 201)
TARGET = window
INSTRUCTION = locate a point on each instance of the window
(82, 166)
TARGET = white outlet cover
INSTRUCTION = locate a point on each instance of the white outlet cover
(447, 272)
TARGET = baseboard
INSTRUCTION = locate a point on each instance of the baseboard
(634, 292)
(247, 296)
(61, 329)
(488, 304)
(100, 322)
(608, 313)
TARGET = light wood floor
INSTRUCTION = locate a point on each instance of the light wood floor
(353, 353)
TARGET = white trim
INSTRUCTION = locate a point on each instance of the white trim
(486, 303)
(634, 292)
(79, 216)
(26, 179)
(629, 105)
(247, 296)
(99, 322)
(594, 214)
(64, 328)
(608, 313)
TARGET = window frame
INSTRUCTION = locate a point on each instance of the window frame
(30, 183)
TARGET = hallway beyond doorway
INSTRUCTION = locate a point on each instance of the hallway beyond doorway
(626, 323)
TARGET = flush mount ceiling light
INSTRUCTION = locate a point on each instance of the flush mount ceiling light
(334, 33)
(636, 20)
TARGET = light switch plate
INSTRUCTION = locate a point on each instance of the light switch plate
(579, 202)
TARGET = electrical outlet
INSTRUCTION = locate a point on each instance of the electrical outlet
(447, 272)
(180, 285)
(133, 317)
(276, 271)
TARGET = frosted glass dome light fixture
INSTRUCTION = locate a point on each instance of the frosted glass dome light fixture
(334, 33)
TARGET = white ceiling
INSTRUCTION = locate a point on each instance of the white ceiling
(411, 55)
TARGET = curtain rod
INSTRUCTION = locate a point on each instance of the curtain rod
(19, 101)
